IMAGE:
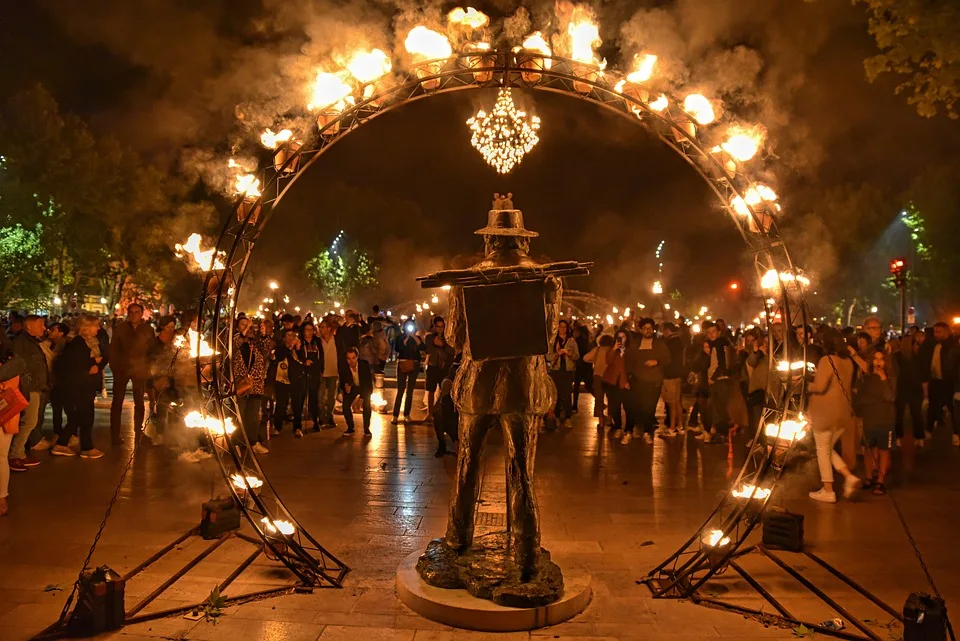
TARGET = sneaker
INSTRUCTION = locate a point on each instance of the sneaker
(626, 438)
(899, 442)
(91, 453)
(850, 485)
(568, 424)
(395, 421)
(696, 429)
(671, 432)
(647, 438)
(824, 496)
(202, 455)
(617, 433)
(16, 465)
(260, 449)
(62, 450)
(274, 431)
(298, 433)
(74, 443)
(44, 444)
(407, 419)
(349, 431)
(188, 457)
(956, 440)
(29, 461)
(367, 432)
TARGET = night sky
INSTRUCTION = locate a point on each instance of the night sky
(166, 76)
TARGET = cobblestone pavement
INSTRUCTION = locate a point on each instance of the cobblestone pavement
(611, 509)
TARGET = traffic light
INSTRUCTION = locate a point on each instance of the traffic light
(898, 267)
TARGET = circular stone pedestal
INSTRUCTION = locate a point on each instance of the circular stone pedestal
(457, 608)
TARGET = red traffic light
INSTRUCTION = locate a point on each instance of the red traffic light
(897, 265)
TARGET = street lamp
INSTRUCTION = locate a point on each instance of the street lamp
(274, 286)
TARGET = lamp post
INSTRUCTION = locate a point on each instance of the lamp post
(898, 267)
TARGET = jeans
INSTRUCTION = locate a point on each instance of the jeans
(406, 383)
(582, 374)
(249, 407)
(79, 418)
(614, 404)
(720, 392)
(293, 394)
(599, 390)
(327, 399)
(348, 398)
(827, 457)
(647, 394)
(120, 380)
(28, 420)
(313, 398)
(563, 379)
(913, 400)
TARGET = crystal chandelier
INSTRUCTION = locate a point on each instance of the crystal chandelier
(504, 135)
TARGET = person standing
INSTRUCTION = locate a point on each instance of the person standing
(616, 384)
(598, 359)
(910, 387)
(356, 381)
(52, 346)
(329, 373)
(874, 396)
(439, 361)
(250, 373)
(408, 368)
(162, 384)
(563, 357)
(79, 367)
(646, 370)
(291, 382)
(719, 361)
(583, 374)
(938, 379)
(131, 340)
(312, 358)
(10, 372)
(34, 382)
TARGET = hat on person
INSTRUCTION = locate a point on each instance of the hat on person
(505, 222)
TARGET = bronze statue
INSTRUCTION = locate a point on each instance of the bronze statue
(501, 383)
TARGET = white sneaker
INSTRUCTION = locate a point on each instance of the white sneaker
(626, 438)
(298, 433)
(188, 457)
(823, 495)
(850, 485)
(671, 432)
(617, 433)
(74, 443)
(202, 455)
(260, 449)
(44, 444)
(647, 438)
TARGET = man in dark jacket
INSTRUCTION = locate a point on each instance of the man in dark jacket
(645, 366)
(356, 381)
(673, 379)
(132, 339)
(34, 382)
(291, 383)
(935, 361)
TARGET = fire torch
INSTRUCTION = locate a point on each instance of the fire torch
(898, 267)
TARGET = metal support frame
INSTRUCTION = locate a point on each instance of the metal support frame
(729, 179)
(785, 618)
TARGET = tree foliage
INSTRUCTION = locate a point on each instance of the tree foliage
(341, 274)
(918, 41)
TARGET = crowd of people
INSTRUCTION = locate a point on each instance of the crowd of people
(300, 372)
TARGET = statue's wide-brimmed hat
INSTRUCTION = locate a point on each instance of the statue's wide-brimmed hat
(506, 222)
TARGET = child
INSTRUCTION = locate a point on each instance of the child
(874, 404)
(445, 418)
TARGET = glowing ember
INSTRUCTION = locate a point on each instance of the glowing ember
(367, 66)
(753, 197)
(271, 140)
(469, 18)
(660, 103)
(743, 143)
(504, 135)
(771, 279)
(244, 483)
(699, 108)
(273, 526)
(248, 186)
(752, 492)
(643, 68)
(426, 44)
(788, 430)
(330, 93)
(377, 401)
(206, 259)
(715, 538)
(196, 420)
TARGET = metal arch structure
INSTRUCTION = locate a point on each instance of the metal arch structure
(697, 560)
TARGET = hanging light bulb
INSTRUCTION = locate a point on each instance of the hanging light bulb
(504, 135)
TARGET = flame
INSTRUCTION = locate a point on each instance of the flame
(367, 66)
(584, 36)
(660, 103)
(658, 288)
(743, 143)
(205, 259)
(753, 197)
(770, 279)
(196, 420)
(243, 483)
(643, 68)
(248, 186)
(786, 366)
(378, 401)
(536, 43)
(469, 18)
(191, 340)
(715, 538)
(788, 430)
(330, 92)
(272, 140)
(752, 492)
(699, 108)
(426, 44)
(274, 526)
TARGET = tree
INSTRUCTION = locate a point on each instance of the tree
(341, 274)
(918, 40)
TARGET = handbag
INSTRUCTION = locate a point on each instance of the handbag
(12, 402)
